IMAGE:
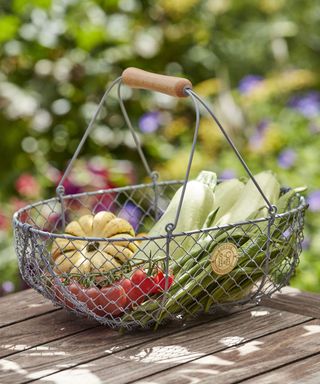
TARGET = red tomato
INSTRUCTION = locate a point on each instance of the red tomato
(126, 284)
(151, 284)
(59, 296)
(156, 280)
(112, 300)
(134, 294)
(143, 281)
(161, 278)
(105, 301)
(74, 289)
(91, 297)
(138, 276)
(109, 300)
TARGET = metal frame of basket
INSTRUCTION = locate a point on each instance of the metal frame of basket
(264, 263)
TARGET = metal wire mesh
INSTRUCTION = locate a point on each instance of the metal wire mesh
(81, 253)
(69, 269)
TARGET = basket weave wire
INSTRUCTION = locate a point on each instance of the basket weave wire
(265, 264)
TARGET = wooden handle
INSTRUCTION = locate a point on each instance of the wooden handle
(173, 86)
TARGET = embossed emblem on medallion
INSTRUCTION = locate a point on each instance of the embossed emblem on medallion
(224, 258)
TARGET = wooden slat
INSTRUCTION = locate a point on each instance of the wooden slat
(23, 305)
(94, 343)
(136, 362)
(39, 330)
(292, 300)
(306, 371)
(254, 357)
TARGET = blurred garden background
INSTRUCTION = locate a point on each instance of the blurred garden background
(257, 62)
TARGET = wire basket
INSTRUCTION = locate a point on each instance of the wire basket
(80, 252)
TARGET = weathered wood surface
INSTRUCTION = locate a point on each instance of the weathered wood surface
(255, 356)
(306, 371)
(23, 305)
(253, 344)
(292, 300)
(39, 330)
(172, 350)
(83, 346)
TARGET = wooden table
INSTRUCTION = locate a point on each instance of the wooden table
(275, 342)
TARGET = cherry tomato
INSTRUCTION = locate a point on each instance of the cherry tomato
(91, 297)
(138, 276)
(109, 300)
(73, 288)
(161, 281)
(112, 299)
(143, 281)
(150, 284)
(105, 301)
(134, 294)
(59, 296)
(126, 284)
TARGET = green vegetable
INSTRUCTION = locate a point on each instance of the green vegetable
(196, 287)
(226, 194)
(197, 204)
(250, 202)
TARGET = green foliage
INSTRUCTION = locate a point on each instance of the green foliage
(57, 57)
(21, 6)
(8, 27)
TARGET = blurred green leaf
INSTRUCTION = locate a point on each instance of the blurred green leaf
(8, 27)
(22, 6)
(89, 36)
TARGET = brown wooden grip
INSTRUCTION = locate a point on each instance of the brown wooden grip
(173, 86)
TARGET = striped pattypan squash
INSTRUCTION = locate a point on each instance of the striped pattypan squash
(82, 256)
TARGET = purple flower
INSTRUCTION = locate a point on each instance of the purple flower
(8, 286)
(287, 158)
(314, 201)
(149, 122)
(306, 242)
(131, 213)
(71, 188)
(287, 233)
(308, 105)
(227, 174)
(263, 126)
(256, 140)
(249, 82)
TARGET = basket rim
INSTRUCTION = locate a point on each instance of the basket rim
(25, 226)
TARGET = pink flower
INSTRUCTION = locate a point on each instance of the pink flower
(53, 174)
(4, 222)
(16, 205)
(97, 169)
(27, 186)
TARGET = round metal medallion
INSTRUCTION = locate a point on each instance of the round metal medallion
(224, 258)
